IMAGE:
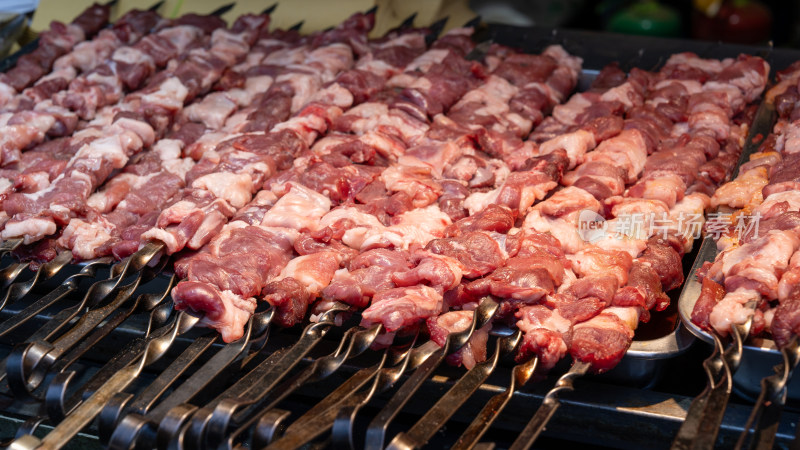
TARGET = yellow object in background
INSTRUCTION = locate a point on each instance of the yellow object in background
(708, 7)
(316, 14)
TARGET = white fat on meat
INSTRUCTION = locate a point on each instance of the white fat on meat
(30, 229)
(625, 93)
(568, 204)
(418, 226)
(628, 315)
(206, 143)
(376, 66)
(385, 146)
(286, 56)
(494, 94)
(213, 221)
(627, 150)
(113, 192)
(170, 95)
(314, 271)
(410, 40)
(400, 307)
(576, 144)
(363, 226)
(564, 231)
(169, 152)
(791, 198)
(544, 329)
(732, 310)
(567, 113)
(301, 208)
(228, 46)
(110, 150)
(83, 238)
(790, 278)
(212, 111)
(564, 58)
(325, 144)
(550, 320)
(236, 313)
(733, 96)
(621, 238)
(307, 126)
(421, 225)
(256, 85)
(712, 121)
(180, 36)
(6, 185)
(142, 129)
(788, 142)
(458, 321)
(234, 188)
(6, 93)
(180, 209)
(369, 116)
(331, 59)
(686, 218)
(33, 182)
(692, 60)
(304, 86)
(334, 94)
(761, 261)
(426, 60)
(414, 178)
(743, 191)
(133, 55)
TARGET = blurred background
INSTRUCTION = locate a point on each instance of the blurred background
(759, 22)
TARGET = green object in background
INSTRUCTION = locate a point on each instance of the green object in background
(647, 18)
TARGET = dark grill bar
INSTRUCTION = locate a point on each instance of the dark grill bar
(96, 355)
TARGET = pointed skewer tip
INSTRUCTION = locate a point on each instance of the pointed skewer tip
(438, 26)
(156, 6)
(222, 9)
(270, 9)
(408, 22)
(474, 22)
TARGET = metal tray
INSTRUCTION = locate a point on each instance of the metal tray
(760, 355)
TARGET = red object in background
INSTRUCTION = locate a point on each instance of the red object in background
(739, 21)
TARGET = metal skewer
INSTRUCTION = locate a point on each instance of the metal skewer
(520, 375)
(68, 286)
(321, 416)
(157, 346)
(27, 362)
(767, 410)
(55, 399)
(701, 429)
(10, 245)
(139, 423)
(424, 429)
(377, 428)
(355, 341)
(160, 310)
(435, 30)
(18, 290)
(343, 426)
(549, 406)
(252, 387)
(11, 272)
